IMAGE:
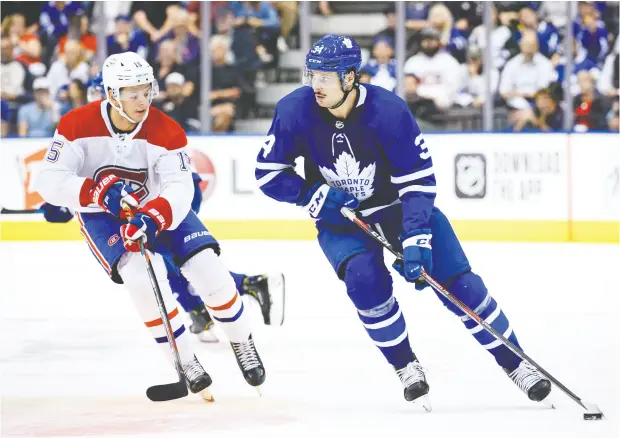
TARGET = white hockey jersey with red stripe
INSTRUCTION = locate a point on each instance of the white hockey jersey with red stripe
(152, 159)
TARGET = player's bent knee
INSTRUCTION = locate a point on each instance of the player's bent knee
(209, 277)
(470, 289)
(132, 269)
(368, 281)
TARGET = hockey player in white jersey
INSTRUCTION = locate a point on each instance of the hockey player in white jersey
(120, 150)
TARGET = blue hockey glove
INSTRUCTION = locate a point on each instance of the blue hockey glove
(197, 201)
(53, 213)
(324, 202)
(417, 254)
(109, 192)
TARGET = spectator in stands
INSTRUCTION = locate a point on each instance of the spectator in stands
(12, 75)
(168, 62)
(242, 44)
(416, 15)
(126, 38)
(473, 92)
(548, 36)
(503, 45)
(288, 19)
(176, 104)
(390, 24)
(591, 31)
(54, 21)
(556, 14)
(156, 19)
(580, 63)
(67, 67)
(467, 15)
(5, 114)
(263, 19)
(55, 17)
(590, 107)
(547, 114)
(79, 30)
(39, 118)
(608, 83)
(225, 86)
(188, 45)
(525, 74)
(75, 97)
(433, 74)
(324, 8)
(27, 44)
(381, 68)
(440, 17)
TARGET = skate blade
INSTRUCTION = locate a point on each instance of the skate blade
(259, 391)
(547, 403)
(426, 403)
(276, 287)
(206, 395)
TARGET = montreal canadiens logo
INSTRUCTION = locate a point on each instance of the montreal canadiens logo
(203, 166)
(136, 178)
(112, 240)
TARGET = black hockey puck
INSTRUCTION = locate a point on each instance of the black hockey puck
(593, 416)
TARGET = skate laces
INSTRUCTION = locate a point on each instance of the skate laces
(410, 374)
(246, 353)
(525, 376)
(193, 369)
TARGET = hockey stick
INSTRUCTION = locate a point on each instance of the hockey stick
(167, 391)
(593, 412)
(11, 211)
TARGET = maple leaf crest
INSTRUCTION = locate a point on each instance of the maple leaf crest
(348, 176)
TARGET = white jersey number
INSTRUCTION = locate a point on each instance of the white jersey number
(269, 142)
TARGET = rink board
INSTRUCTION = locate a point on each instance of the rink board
(493, 187)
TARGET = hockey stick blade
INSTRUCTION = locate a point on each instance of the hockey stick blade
(167, 392)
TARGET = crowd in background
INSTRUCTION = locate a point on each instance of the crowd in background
(446, 46)
(49, 53)
(49, 56)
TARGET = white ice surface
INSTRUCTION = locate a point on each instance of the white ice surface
(75, 359)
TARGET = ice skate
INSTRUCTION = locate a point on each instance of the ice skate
(202, 325)
(198, 381)
(249, 362)
(269, 292)
(414, 383)
(530, 381)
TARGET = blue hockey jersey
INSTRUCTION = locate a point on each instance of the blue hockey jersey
(377, 154)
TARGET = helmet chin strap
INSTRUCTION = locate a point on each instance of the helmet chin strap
(344, 97)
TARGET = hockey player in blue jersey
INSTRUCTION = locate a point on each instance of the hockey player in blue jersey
(363, 150)
(268, 290)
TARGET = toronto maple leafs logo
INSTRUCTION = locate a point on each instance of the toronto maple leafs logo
(349, 178)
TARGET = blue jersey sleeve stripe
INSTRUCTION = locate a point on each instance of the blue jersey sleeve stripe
(272, 166)
(412, 176)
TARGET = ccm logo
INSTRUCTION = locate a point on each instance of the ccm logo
(112, 240)
(195, 235)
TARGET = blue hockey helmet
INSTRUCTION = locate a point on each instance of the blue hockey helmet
(335, 53)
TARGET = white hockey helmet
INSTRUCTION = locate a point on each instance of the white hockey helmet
(127, 70)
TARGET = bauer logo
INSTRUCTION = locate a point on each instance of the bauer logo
(470, 176)
(195, 235)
